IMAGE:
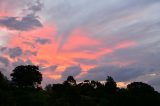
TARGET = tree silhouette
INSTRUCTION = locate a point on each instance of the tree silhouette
(70, 93)
(110, 85)
(143, 94)
(140, 87)
(70, 81)
(26, 76)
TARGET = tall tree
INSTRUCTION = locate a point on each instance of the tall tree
(26, 76)
(110, 85)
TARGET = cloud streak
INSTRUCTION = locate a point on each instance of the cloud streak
(106, 37)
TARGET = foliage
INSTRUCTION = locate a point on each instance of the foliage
(3, 81)
(71, 93)
(110, 85)
(26, 76)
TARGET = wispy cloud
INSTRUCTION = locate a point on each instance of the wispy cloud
(105, 37)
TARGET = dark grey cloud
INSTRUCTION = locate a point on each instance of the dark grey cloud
(127, 74)
(85, 61)
(15, 52)
(3, 49)
(21, 62)
(113, 17)
(26, 23)
(142, 56)
(43, 41)
(146, 61)
(71, 71)
(100, 73)
(4, 60)
(35, 7)
(30, 53)
(53, 67)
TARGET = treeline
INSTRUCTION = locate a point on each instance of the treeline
(24, 89)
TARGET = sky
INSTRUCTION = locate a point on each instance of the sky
(88, 39)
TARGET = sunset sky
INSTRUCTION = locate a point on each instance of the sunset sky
(88, 39)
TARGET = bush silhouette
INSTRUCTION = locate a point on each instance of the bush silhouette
(140, 87)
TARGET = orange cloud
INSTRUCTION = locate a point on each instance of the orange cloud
(79, 38)
(122, 84)
(51, 75)
(76, 47)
